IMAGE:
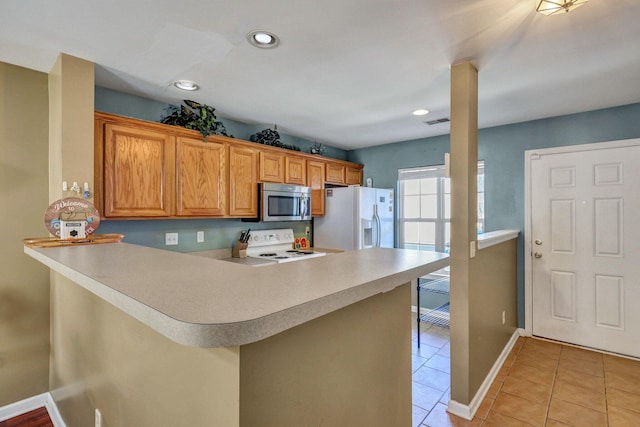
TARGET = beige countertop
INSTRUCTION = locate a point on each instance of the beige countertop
(204, 302)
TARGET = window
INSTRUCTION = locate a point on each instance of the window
(425, 207)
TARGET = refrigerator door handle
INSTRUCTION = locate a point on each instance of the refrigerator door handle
(378, 226)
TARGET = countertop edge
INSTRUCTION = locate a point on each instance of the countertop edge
(234, 333)
(493, 238)
(181, 332)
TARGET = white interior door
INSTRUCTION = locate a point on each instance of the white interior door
(585, 248)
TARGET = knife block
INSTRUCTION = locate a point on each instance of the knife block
(239, 250)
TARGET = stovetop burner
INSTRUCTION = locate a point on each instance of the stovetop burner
(269, 254)
(280, 257)
(298, 252)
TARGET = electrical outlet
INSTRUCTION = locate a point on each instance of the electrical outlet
(171, 239)
(504, 318)
(200, 236)
(307, 230)
(98, 418)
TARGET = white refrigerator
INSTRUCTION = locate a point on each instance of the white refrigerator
(355, 218)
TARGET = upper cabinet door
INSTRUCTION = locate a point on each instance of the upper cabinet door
(335, 173)
(295, 170)
(271, 167)
(138, 168)
(243, 183)
(200, 178)
(315, 174)
(354, 175)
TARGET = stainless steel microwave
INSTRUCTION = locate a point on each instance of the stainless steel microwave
(283, 202)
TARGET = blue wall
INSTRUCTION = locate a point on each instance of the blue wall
(502, 149)
(219, 233)
(111, 101)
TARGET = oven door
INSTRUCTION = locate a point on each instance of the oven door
(285, 205)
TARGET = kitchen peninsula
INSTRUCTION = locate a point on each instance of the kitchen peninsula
(324, 341)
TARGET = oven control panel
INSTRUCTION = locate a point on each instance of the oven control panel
(271, 237)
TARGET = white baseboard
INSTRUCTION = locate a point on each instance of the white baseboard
(23, 406)
(54, 414)
(31, 403)
(468, 411)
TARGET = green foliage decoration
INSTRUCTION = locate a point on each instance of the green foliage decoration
(198, 117)
(271, 137)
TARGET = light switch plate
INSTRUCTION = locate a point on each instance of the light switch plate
(200, 236)
(171, 239)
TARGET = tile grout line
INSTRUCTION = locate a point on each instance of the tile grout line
(606, 408)
(553, 385)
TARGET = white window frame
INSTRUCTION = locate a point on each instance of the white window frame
(441, 221)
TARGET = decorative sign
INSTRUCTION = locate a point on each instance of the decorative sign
(71, 209)
(300, 243)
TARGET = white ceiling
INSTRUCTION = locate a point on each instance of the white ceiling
(347, 73)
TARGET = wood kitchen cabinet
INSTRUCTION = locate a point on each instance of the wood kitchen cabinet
(271, 167)
(138, 167)
(243, 182)
(315, 175)
(295, 170)
(282, 168)
(152, 170)
(335, 173)
(201, 178)
(353, 175)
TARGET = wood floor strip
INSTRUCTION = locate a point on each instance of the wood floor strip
(36, 418)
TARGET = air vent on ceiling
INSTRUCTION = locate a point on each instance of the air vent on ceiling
(437, 121)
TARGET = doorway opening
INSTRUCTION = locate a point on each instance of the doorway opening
(424, 223)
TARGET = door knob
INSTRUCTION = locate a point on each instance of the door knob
(538, 242)
(538, 255)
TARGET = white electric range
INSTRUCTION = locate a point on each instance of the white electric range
(277, 246)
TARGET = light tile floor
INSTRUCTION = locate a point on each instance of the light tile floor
(431, 367)
(540, 384)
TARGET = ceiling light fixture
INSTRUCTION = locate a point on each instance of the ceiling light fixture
(420, 112)
(186, 85)
(554, 7)
(263, 39)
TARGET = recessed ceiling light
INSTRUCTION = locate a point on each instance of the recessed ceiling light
(420, 112)
(186, 85)
(263, 39)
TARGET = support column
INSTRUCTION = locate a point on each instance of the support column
(71, 139)
(71, 107)
(464, 194)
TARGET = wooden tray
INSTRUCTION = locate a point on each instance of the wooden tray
(94, 239)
